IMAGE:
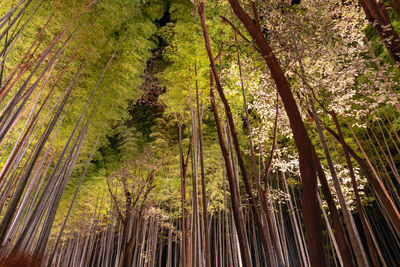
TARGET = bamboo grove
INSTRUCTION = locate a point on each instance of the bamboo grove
(199, 133)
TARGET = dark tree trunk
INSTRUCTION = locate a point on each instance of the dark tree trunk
(311, 209)
(379, 18)
(185, 213)
(228, 113)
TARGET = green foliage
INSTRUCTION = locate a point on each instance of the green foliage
(124, 26)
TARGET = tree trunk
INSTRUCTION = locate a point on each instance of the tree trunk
(311, 210)
(359, 206)
(374, 180)
(244, 247)
(206, 240)
(379, 18)
(232, 128)
(185, 213)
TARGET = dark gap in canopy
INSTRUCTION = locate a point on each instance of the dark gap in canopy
(165, 18)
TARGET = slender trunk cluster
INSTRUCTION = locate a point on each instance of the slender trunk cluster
(34, 176)
(266, 219)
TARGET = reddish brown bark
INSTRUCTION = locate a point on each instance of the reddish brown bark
(244, 248)
(228, 112)
(310, 206)
(379, 18)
